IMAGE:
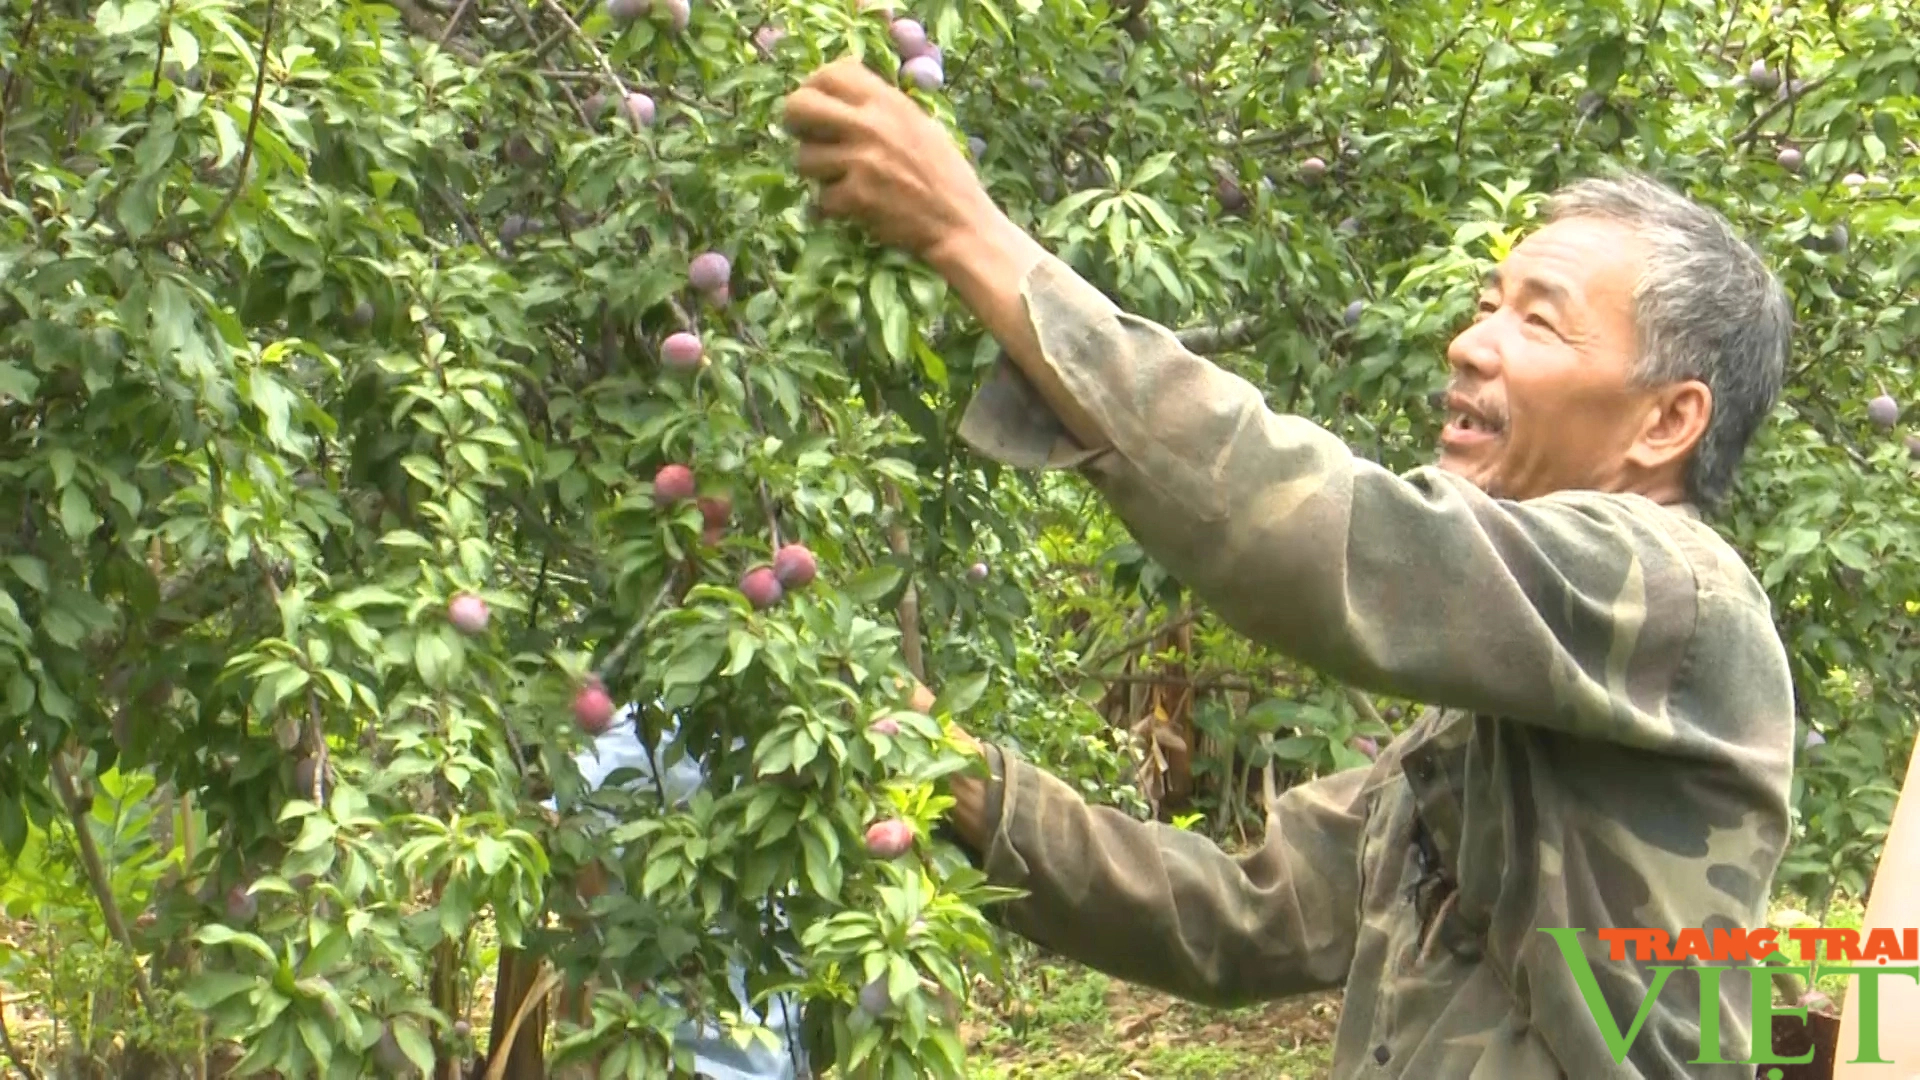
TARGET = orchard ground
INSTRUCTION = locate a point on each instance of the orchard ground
(1056, 1019)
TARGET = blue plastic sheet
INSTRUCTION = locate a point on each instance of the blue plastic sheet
(715, 1055)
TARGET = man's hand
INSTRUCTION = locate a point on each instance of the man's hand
(883, 162)
(969, 813)
(886, 164)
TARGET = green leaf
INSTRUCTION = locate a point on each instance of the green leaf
(744, 645)
(659, 872)
(217, 934)
(961, 694)
(1153, 168)
(413, 1042)
(894, 317)
(431, 657)
(17, 383)
(19, 696)
(31, 571)
(125, 20)
(931, 363)
(314, 1035)
(1848, 553)
(13, 826)
(873, 583)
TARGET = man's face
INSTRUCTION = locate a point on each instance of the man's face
(1541, 397)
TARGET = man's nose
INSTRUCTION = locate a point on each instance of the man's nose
(1475, 351)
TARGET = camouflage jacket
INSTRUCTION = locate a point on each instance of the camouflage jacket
(1610, 745)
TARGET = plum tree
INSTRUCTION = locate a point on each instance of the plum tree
(296, 383)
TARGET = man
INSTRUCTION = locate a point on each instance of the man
(1614, 732)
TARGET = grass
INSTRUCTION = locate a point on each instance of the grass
(1060, 1020)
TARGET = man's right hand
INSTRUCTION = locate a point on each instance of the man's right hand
(969, 812)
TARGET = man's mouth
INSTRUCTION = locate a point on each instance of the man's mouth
(1469, 425)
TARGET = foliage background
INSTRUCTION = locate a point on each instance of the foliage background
(313, 313)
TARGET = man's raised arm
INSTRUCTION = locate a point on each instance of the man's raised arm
(1577, 611)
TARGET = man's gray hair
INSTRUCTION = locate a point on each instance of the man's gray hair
(1705, 308)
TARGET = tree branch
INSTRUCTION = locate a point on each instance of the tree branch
(618, 656)
(1221, 682)
(97, 876)
(425, 24)
(6, 92)
(1235, 333)
(13, 1055)
(1107, 657)
(253, 119)
(580, 35)
(1466, 104)
(910, 599)
(453, 23)
(1752, 130)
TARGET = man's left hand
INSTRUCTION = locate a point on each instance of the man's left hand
(883, 162)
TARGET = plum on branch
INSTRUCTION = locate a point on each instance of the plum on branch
(762, 587)
(672, 484)
(889, 838)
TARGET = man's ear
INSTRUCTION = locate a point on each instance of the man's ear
(1676, 420)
